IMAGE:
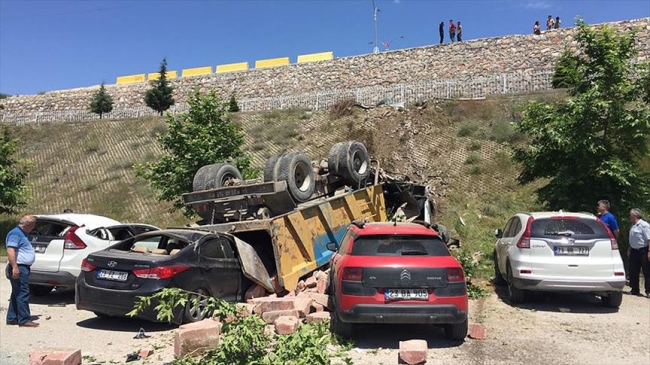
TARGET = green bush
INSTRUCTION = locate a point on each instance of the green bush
(473, 159)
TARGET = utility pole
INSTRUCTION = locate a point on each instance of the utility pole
(375, 10)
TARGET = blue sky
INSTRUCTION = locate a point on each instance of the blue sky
(51, 45)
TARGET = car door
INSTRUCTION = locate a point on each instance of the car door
(503, 243)
(47, 238)
(217, 264)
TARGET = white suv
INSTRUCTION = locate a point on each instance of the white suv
(557, 251)
(62, 241)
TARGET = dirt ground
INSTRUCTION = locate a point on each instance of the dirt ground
(553, 329)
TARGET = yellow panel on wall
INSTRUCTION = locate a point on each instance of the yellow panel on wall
(271, 62)
(241, 66)
(197, 71)
(323, 56)
(131, 79)
(156, 75)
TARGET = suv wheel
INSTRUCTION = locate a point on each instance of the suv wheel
(456, 331)
(515, 295)
(498, 278)
(613, 300)
(339, 327)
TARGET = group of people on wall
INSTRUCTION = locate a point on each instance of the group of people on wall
(550, 24)
(455, 31)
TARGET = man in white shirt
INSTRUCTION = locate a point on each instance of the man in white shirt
(638, 253)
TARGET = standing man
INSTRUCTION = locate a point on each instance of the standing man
(638, 252)
(442, 32)
(550, 23)
(607, 217)
(557, 22)
(20, 257)
(460, 32)
(452, 31)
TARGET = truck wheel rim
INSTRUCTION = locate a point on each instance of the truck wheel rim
(359, 163)
(302, 177)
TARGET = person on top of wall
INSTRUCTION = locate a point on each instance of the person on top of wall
(452, 30)
(442, 32)
(550, 23)
(557, 22)
(536, 29)
(459, 31)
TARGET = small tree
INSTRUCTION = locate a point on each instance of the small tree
(101, 102)
(592, 146)
(204, 135)
(233, 107)
(159, 97)
(12, 174)
(3, 96)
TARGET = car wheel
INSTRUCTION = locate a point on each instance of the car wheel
(498, 278)
(456, 331)
(295, 168)
(215, 176)
(339, 327)
(196, 308)
(271, 167)
(40, 290)
(515, 295)
(613, 300)
(102, 315)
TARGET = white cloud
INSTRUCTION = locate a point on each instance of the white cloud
(535, 4)
(397, 1)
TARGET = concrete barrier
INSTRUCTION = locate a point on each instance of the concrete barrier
(272, 62)
(197, 71)
(131, 79)
(315, 57)
(229, 67)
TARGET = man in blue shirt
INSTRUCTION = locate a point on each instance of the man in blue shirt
(607, 217)
(20, 257)
(638, 252)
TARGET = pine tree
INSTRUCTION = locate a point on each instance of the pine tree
(233, 107)
(159, 97)
(102, 102)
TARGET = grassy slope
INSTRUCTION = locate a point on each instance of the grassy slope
(460, 148)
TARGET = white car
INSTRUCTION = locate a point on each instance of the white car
(560, 252)
(62, 241)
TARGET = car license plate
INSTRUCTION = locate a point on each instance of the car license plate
(112, 275)
(406, 294)
(571, 250)
(40, 248)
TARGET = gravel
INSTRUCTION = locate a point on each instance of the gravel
(552, 329)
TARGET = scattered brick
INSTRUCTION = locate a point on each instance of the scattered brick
(145, 353)
(285, 325)
(318, 317)
(270, 317)
(255, 291)
(413, 351)
(55, 357)
(310, 282)
(321, 284)
(477, 332)
(196, 338)
(315, 307)
(322, 299)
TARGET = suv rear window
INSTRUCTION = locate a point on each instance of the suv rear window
(396, 245)
(578, 228)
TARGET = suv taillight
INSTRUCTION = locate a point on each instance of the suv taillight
(352, 273)
(524, 241)
(86, 266)
(455, 274)
(612, 239)
(160, 273)
(72, 241)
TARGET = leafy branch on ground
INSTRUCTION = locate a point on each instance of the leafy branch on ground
(244, 339)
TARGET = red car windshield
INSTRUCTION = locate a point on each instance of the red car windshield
(396, 245)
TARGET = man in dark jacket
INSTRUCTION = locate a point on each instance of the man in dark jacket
(442, 32)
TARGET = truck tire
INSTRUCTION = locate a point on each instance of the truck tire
(214, 176)
(295, 168)
(271, 168)
(349, 160)
(338, 150)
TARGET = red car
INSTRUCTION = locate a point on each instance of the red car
(396, 273)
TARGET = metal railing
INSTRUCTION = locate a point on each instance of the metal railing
(399, 94)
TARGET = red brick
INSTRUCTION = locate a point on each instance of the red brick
(246, 309)
(315, 307)
(145, 353)
(477, 332)
(322, 299)
(318, 317)
(310, 282)
(55, 357)
(300, 287)
(301, 304)
(321, 284)
(286, 325)
(196, 338)
(271, 316)
(276, 284)
(255, 291)
(413, 352)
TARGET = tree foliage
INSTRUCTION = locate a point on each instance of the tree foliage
(204, 135)
(233, 107)
(160, 97)
(13, 171)
(592, 145)
(101, 102)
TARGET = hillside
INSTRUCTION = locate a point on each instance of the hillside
(459, 148)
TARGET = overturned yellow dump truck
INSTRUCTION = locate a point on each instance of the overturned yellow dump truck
(301, 206)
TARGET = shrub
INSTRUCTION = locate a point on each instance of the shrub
(342, 108)
(473, 159)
